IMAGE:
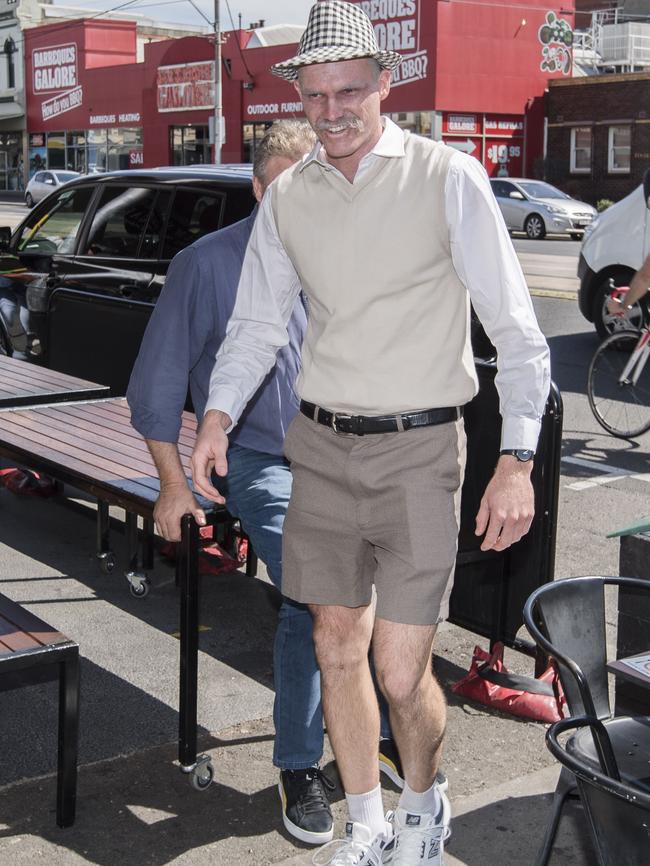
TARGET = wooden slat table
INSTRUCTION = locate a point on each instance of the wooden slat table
(92, 447)
(25, 384)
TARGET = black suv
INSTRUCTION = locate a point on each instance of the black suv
(80, 275)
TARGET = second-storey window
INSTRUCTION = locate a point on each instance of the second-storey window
(619, 148)
(580, 149)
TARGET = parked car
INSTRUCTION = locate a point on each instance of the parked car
(614, 247)
(88, 263)
(45, 182)
(537, 208)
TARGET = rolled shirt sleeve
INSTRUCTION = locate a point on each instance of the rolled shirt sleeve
(486, 262)
(267, 290)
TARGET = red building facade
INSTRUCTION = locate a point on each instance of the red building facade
(474, 74)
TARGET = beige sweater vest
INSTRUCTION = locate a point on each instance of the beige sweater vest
(388, 316)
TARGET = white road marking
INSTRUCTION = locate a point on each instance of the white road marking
(610, 474)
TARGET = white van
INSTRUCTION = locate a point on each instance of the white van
(614, 247)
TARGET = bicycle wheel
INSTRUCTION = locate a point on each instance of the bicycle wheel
(622, 408)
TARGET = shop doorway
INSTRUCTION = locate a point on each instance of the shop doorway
(190, 145)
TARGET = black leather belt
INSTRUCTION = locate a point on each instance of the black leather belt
(362, 424)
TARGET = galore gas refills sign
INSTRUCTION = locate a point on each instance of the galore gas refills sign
(397, 27)
(55, 70)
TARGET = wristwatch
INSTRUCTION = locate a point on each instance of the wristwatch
(523, 455)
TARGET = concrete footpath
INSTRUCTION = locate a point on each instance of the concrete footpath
(135, 808)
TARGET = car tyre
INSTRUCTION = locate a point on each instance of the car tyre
(29, 201)
(606, 324)
(534, 227)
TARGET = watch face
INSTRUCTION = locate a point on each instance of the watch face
(524, 454)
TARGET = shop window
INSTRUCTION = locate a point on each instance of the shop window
(10, 50)
(121, 223)
(619, 149)
(56, 150)
(57, 231)
(194, 213)
(580, 150)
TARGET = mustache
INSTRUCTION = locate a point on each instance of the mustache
(341, 123)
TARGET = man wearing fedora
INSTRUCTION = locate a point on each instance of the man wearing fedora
(390, 235)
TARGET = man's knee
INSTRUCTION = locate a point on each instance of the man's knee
(341, 637)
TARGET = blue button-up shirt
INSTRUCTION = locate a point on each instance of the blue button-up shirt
(185, 331)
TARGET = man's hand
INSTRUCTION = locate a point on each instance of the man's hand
(175, 500)
(615, 305)
(508, 504)
(210, 453)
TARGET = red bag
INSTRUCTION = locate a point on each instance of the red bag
(25, 482)
(489, 682)
(213, 559)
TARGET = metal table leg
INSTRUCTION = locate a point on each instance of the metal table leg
(105, 555)
(68, 739)
(138, 581)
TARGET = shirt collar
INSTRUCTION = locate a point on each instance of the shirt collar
(390, 145)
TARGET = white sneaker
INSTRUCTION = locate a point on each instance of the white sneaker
(358, 848)
(420, 838)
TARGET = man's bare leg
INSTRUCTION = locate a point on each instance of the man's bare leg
(418, 710)
(342, 638)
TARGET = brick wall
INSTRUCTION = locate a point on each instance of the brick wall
(599, 102)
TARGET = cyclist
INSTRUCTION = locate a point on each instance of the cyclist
(639, 285)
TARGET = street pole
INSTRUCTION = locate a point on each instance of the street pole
(217, 85)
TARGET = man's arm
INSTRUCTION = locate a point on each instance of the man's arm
(639, 285)
(487, 264)
(176, 498)
(172, 344)
(267, 291)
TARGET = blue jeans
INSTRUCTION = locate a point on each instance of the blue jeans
(257, 490)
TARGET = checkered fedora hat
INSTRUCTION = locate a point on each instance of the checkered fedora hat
(336, 31)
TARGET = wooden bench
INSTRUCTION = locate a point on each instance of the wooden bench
(32, 651)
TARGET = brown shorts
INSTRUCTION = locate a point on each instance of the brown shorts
(380, 509)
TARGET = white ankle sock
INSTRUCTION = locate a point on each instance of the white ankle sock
(368, 809)
(428, 801)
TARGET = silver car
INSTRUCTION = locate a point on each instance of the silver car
(43, 182)
(537, 208)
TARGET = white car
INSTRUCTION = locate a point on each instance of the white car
(537, 208)
(44, 182)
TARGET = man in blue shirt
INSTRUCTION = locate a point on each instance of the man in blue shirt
(186, 329)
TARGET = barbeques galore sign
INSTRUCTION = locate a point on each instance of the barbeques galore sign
(55, 71)
(397, 25)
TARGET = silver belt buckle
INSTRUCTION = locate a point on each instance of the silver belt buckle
(335, 418)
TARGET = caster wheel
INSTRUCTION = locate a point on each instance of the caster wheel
(201, 776)
(106, 562)
(139, 584)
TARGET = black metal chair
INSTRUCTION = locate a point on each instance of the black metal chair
(566, 619)
(617, 810)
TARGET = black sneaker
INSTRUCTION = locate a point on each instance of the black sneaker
(305, 806)
(391, 766)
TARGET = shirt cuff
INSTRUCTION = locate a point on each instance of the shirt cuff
(226, 400)
(153, 425)
(519, 432)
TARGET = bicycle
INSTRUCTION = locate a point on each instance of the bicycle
(618, 386)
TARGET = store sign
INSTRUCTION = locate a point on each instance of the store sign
(274, 109)
(556, 38)
(462, 123)
(186, 86)
(504, 125)
(397, 28)
(62, 103)
(55, 68)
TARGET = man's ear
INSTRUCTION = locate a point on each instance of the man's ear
(384, 83)
(258, 189)
(296, 86)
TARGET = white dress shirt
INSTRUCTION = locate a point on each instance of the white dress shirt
(483, 257)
